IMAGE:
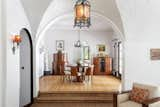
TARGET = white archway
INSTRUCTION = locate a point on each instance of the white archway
(40, 35)
(94, 14)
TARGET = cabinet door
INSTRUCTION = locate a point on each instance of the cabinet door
(109, 66)
(96, 65)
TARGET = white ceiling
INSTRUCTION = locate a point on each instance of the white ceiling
(97, 24)
(35, 10)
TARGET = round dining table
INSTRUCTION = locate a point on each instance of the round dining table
(81, 72)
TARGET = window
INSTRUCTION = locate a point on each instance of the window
(120, 58)
(86, 53)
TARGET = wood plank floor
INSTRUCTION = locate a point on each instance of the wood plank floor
(72, 105)
(50, 84)
(56, 93)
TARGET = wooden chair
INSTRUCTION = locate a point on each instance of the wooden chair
(66, 73)
(75, 73)
(89, 73)
(62, 74)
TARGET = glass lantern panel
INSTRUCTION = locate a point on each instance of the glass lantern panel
(79, 11)
(86, 11)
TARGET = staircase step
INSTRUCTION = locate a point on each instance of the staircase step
(75, 97)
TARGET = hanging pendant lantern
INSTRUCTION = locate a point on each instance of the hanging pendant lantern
(82, 14)
(78, 43)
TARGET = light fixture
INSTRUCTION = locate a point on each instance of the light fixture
(78, 43)
(82, 14)
(16, 40)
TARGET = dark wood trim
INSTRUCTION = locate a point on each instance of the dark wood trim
(119, 77)
(123, 92)
(115, 95)
(28, 105)
(144, 104)
(31, 52)
(150, 101)
(126, 91)
(115, 99)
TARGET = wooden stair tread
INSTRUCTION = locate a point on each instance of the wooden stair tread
(75, 97)
(71, 98)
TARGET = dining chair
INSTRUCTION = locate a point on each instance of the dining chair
(74, 72)
(66, 73)
(89, 73)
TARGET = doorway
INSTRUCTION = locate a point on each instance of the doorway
(26, 68)
(104, 37)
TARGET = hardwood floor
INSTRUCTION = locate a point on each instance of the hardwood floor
(56, 93)
(72, 105)
(51, 84)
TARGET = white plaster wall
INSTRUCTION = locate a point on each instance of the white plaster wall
(106, 9)
(15, 21)
(141, 24)
(3, 51)
(93, 38)
(35, 12)
(1, 54)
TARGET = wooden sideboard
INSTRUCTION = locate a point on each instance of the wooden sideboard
(102, 65)
(58, 63)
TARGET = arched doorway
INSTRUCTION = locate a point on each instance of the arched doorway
(53, 21)
(26, 68)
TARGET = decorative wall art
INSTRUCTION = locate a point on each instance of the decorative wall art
(59, 45)
(101, 48)
(155, 54)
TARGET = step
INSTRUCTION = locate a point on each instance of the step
(75, 97)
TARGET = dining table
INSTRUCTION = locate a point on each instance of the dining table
(81, 69)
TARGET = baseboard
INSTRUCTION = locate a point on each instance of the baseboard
(28, 105)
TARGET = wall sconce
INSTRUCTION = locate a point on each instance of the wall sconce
(16, 40)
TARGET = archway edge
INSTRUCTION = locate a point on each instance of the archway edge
(42, 31)
(31, 59)
(28, 32)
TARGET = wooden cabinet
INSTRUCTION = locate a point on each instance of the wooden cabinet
(102, 65)
(58, 63)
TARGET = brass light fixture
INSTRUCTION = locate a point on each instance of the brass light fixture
(78, 43)
(82, 14)
(16, 40)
